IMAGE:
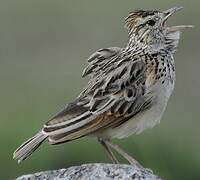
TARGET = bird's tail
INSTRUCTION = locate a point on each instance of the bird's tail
(28, 147)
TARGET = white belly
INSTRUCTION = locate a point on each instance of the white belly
(145, 119)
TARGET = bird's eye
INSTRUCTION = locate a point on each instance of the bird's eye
(151, 22)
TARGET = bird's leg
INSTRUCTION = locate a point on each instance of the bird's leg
(130, 159)
(109, 151)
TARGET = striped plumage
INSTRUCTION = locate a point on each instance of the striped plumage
(128, 87)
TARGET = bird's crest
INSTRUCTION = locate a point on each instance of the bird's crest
(136, 15)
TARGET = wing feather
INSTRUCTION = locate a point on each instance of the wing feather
(99, 59)
(110, 98)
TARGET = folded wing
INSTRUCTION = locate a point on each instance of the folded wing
(113, 95)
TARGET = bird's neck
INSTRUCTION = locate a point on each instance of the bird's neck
(169, 44)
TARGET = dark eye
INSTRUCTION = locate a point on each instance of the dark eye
(151, 22)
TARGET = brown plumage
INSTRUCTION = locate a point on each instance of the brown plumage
(128, 88)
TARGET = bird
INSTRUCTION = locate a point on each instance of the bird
(127, 91)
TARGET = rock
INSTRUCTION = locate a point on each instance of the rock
(95, 172)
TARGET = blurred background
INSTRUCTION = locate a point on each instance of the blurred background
(44, 45)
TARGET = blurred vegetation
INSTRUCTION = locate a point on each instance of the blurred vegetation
(43, 48)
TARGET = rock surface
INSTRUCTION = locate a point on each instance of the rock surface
(95, 172)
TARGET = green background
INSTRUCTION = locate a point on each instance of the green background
(44, 45)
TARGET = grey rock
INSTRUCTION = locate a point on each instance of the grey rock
(95, 172)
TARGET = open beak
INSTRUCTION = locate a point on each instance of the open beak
(168, 13)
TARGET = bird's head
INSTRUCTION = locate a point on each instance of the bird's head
(149, 27)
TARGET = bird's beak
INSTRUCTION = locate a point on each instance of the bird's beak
(168, 13)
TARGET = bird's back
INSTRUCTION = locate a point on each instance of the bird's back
(128, 88)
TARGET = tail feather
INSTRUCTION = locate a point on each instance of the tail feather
(28, 147)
